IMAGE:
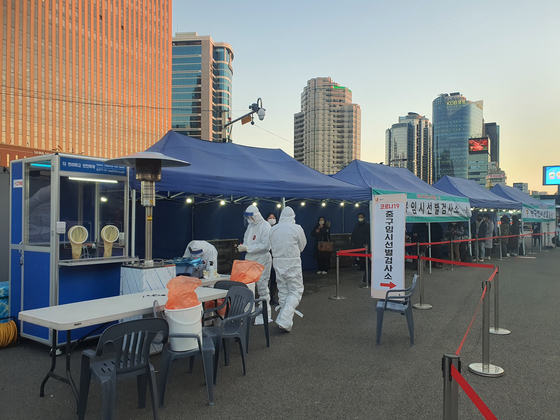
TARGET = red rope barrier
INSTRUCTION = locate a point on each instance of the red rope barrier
(483, 408)
(470, 325)
(345, 254)
(458, 263)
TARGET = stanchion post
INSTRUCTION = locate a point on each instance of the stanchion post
(485, 368)
(545, 239)
(477, 248)
(451, 251)
(500, 244)
(418, 261)
(421, 305)
(366, 286)
(337, 297)
(496, 329)
(450, 387)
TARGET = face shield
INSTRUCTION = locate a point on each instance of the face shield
(195, 252)
(248, 218)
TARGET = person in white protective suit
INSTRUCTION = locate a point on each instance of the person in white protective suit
(256, 243)
(204, 250)
(287, 241)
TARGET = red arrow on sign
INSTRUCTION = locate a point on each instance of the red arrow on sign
(389, 285)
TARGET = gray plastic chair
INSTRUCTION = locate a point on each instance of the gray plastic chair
(168, 355)
(258, 310)
(400, 304)
(239, 301)
(123, 351)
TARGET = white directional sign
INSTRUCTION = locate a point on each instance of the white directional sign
(389, 218)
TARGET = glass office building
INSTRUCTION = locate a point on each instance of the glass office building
(408, 144)
(201, 86)
(455, 121)
(84, 77)
(492, 130)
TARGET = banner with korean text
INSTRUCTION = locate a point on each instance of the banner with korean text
(388, 233)
(535, 214)
(426, 208)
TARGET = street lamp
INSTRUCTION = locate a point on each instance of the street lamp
(256, 108)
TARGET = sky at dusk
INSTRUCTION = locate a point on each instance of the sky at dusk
(396, 57)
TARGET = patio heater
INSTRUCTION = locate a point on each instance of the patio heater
(147, 166)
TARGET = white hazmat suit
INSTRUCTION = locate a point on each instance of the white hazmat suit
(257, 244)
(287, 241)
(204, 250)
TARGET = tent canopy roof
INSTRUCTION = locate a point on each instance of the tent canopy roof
(382, 178)
(516, 194)
(477, 195)
(232, 169)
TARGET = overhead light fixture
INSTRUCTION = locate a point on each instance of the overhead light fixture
(303, 203)
(357, 205)
(222, 202)
(342, 204)
(104, 199)
(108, 181)
(255, 203)
(278, 205)
(323, 204)
(189, 200)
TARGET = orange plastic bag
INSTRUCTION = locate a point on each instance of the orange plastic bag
(212, 304)
(246, 271)
(182, 293)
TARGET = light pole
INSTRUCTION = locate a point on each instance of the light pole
(256, 108)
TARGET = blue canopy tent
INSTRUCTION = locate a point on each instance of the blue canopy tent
(532, 210)
(238, 175)
(424, 202)
(478, 196)
(233, 170)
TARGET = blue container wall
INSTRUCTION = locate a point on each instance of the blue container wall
(173, 228)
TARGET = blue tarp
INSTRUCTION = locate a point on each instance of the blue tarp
(533, 210)
(477, 195)
(424, 202)
(235, 170)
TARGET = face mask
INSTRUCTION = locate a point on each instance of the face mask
(272, 222)
(360, 219)
(321, 222)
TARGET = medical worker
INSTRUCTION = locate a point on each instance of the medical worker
(204, 250)
(257, 244)
(287, 241)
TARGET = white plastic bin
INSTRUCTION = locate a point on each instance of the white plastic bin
(184, 321)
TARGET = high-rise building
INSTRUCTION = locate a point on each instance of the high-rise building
(408, 144)
(455, 121)
(521, 186)
(84, 77)
(492, 131)
(327, 131)
(202, 77)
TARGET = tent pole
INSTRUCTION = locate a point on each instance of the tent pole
(283, 203)
(430, 246)
(133, 225)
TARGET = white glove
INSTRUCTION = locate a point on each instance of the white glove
(242, 248)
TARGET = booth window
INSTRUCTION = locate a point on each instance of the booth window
(37, 205)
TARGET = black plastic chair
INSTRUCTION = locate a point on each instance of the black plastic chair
(240, 302)
(205, 349)
(123, 351)
(258, 310)
(400, 304)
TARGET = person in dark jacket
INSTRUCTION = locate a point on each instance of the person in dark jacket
(361, 237)
(436, 235)
(504, 231)
(322, 233)
(455, 232)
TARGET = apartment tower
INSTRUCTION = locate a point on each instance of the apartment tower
(202, 77)
(327, 130)
(89, 77)
(408, 144)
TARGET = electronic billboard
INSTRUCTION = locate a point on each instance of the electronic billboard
(551, 175)
(478, 145)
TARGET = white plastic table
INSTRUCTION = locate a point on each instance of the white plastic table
(98, 311)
